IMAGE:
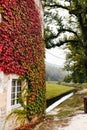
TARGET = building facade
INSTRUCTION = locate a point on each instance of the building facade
(9, 85)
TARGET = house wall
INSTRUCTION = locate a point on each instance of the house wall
(5, 95)
(5, 99)
(6, 80)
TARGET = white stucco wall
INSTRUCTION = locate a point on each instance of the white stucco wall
(5, 92)
(5, 96)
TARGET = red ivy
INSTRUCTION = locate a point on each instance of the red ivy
(21, 43)
(22, 48)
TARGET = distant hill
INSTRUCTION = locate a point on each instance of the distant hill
(54, 72)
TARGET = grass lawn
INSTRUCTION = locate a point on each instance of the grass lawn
(53, 89)
(73, 104)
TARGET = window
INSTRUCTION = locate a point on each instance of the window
(15, 91)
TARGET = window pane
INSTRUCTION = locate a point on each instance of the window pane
(13, 82)
(12, 102)
(18, 84)
(12, 95)
(13, 89)
(18, 88)
(18, 94)
(17, 101)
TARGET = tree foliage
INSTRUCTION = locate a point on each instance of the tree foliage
(75, 23)
(68, 30)
(75, 63)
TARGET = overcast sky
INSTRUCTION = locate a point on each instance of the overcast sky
(55, 56)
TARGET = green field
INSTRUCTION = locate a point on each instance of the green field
(53, 89)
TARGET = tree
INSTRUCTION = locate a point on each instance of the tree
(74, 25)
(75, 63)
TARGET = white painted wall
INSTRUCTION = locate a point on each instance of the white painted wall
(1, 81)
(5, 93)
(3, 96)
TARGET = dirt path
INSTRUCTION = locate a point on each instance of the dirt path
(78, 122)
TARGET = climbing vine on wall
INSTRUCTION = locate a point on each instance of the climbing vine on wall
(22, 47)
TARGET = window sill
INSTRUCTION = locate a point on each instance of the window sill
(15, 106)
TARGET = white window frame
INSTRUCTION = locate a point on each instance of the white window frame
(14, 92)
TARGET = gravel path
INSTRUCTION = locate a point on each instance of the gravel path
(78, 122)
